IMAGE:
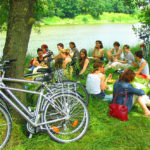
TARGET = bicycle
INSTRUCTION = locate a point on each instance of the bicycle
(61, 113)
(74, 86)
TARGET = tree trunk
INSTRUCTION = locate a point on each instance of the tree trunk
(18, 33)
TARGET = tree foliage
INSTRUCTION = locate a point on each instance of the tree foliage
(66, 8)
(144, 9)
(92, 8)
(4, 12)
(69, 8)
(117, 6)
(144, 17)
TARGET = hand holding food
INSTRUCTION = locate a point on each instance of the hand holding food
(109, 76)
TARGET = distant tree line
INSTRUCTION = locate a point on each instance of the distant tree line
(72, 8)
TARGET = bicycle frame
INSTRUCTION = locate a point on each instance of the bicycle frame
(26, 114)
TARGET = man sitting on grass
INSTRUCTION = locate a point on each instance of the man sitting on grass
(129, 58)
(74, 51)
(115, 53)
(60, 47)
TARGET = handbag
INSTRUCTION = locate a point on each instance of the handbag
(117, 110)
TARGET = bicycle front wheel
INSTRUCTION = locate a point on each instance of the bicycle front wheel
(76, 121)
(5, 126)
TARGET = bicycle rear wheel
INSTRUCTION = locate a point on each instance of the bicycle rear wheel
(80, 89)
(5, 126)
(77, 119)
(2, 102)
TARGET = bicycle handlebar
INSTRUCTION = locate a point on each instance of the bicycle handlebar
(4, 67)
(8, 61)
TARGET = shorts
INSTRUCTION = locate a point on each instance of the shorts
(145, 99)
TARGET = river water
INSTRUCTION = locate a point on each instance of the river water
(83, 35)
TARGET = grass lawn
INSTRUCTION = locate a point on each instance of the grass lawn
(104, 132)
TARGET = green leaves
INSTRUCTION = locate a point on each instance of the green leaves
(92, 8)
(66, 8)
(71, 9)
(4, 12)
(144, 18)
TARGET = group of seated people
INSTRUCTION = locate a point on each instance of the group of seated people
(117, 57)
(65, 56)
(96, 83)
(68, 59)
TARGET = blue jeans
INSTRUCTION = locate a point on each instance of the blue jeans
(103, 97)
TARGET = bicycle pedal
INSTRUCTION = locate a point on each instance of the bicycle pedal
(30, 136)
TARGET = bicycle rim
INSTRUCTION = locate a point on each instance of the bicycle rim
(79, 88)
(5, 126)
(72, 128)
(83, 93)
(3, 103)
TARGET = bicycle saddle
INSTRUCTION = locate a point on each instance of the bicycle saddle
(45, 70)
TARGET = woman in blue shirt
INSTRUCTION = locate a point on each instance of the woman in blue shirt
(133, 94)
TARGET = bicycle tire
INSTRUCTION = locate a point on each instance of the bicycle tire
(81, 90)
(3, 103)
(71, 129)
(5, 120)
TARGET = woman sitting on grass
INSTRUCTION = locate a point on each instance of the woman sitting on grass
(39, 61)
(96, 82)
(65, 54)
(133, 94)
(44, 48)
(59, 74)
(98, 52)
(142, 63)
(83, 61)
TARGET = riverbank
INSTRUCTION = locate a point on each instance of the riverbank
(119, 18)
